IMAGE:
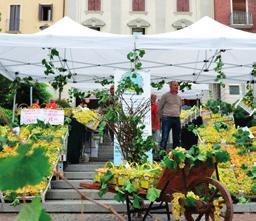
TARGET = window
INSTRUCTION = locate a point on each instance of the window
(94, 5)
(138, 5)
(182, 5)
(239, 5)
(234, 90)
(14, 23)
(138, 31)
(95, 28)
(45, 12)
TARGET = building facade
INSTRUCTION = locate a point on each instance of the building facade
(239, 14)
(29, 16)
(143, 16)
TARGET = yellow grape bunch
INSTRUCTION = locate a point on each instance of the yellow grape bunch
(85, 116)
(177, 209)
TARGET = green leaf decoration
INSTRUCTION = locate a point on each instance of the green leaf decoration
(222, 156)
(120, 196)
(190, 202)
(33, 212)
(103, 189)
(129, 187)
(254, 188)
(107, 177)
(153, 194)
(136, 201)
(244, 166)
(44, 216)
(170, 163)
(25, 169)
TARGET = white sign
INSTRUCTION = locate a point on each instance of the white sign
(248, 109)
(51, 116)
(142, 79)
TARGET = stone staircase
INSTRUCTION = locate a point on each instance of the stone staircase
(63, 198)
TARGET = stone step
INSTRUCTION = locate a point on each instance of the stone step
(79, 175)
(85, 216)
(69, 206)
(90, 167)
(76, 206)
(69, 194)
(60, 184)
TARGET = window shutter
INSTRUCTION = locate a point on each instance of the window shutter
(40, 16)
(135, 5)
(97, 5)
(182, 5)
(141, 5)
(91, 5)
(17, 18)
(14, 23)
(51, 12)
(179, 5)
(186, 5)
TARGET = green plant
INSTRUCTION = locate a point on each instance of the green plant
(127, 189)
(63, 103)
(243, 141)
(8, 114)
(126, 120)
(61, 72)
(185, 85)
(158, 85)
(218, 106)
(218, 69)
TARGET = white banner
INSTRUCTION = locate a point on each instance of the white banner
(143, 80)
(51, 116)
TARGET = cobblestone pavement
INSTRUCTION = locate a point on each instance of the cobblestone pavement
(107, 217)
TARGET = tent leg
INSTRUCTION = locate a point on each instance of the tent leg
(14, 107)
(31, 96)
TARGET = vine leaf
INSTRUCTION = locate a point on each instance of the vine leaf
(153, 194)
(24, 169)
(33, 212)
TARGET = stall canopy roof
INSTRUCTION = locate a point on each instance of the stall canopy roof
(187, 54)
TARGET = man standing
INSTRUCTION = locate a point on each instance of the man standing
(169, 111)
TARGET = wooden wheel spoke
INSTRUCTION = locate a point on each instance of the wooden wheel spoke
(212, 216)
(222, 214)
(213, 195)
(199, 217)
(206, 189)
(207, 217)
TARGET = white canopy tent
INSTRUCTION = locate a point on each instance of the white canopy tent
(187, 54)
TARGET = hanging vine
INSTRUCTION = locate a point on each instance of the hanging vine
(185, 85)
(62, 74)
(158, 85)
(218, 69)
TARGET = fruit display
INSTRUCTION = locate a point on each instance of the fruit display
(47, 136)
(143, 176)
(87, 117)
(217, 132)
(235, 177)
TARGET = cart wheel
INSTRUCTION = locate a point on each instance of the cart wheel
(209, 190)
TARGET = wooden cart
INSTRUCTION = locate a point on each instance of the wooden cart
(197, 179)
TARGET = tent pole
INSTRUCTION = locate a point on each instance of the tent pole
(31, 95)
(254, 92)
(14, 106)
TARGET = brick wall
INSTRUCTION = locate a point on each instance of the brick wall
(252, 9)
(222, 11)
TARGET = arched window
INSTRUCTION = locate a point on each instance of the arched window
(182, 5)
(138, 5)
